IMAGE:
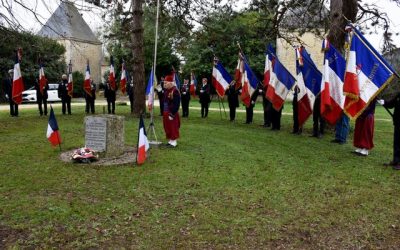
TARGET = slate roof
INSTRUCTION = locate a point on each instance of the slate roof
(67, 22)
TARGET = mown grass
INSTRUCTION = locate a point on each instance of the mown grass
(227, 185)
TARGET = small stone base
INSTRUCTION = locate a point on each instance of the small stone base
(127, 157)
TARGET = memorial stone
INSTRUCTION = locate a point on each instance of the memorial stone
(105, 134)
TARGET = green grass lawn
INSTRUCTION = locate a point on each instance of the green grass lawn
(226, 185)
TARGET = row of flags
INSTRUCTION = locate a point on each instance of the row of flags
(344, 86)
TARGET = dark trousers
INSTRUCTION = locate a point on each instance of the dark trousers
(66, 105)
(111, 107)
(295, 116)
(204, 109)
(13, 108)
(232, 112)
(267, 106)
(89, 105)
(249, 114)
(131, 101)
(276, 119)
(318, 121)
(185, 107)
(41, 101)
(396, 145)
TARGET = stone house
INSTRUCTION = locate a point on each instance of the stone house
(67, 26)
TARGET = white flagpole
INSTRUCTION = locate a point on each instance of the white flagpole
(151, 126)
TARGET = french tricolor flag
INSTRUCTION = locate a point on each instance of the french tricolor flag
(269, 55)
(193, 84)
(143, 143)
(18, 84)
(122, 83)
(42, 78)
(70, 80)
(332, 97)
(86, 84)
(220, 78)
(367, 73)
(280, 84)
(249, 84)
(52, 129)
(304, 105)
(239, 72)
(150, 90)
(111, 76)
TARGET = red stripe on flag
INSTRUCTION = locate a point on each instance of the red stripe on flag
(332, 114)
(17, 88)
(353, 107)
(54, 138)
(141, 155)
(87, 87)
(218, 87)
(276, 100)
(304, 109)
(245, 95)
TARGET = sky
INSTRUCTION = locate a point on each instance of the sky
(46, 7)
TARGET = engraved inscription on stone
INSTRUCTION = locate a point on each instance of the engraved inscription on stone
(95, 137)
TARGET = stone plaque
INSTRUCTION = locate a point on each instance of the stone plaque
(96, 133)
(105, 134)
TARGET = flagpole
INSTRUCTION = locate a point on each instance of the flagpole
(151, 126)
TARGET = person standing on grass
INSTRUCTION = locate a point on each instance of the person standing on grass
(395, 103)
(364, 131)
(171, 119)
(63, 95)
(90, 99)
(185, 97)
(342, 128)
(130, 91)
(318, 121)
(8, 90)
(204, 98)
(41, 96)
(296, 128)
(110, 95)
(233, 100)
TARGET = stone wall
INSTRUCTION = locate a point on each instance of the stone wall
(79, 53)
(287, 56)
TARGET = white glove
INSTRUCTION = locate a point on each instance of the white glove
(170, 117)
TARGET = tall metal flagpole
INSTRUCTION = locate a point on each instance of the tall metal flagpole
(151, 126)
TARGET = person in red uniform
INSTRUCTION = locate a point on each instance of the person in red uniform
(171, 119)
(364, 131)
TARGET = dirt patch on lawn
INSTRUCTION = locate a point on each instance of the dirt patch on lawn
(128, 157)
(10, 236)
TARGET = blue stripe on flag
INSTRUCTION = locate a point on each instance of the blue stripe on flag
(283, 74)
(370, 63)
(150, 82)
(336, 61)
(311, 75)
(227, 77)
(253, 81)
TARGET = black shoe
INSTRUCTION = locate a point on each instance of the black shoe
(392, 163)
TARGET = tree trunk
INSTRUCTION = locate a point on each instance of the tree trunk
(138, 57)
(339, 9)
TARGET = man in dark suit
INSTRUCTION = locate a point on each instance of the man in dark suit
(63, 94)
(130, 91)
(185, 98)
(8, 89)
(90, 99)
(41, 96)
(318, 121)
(110, 95)
(233, 100)
(395, 103)
(204, 98)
